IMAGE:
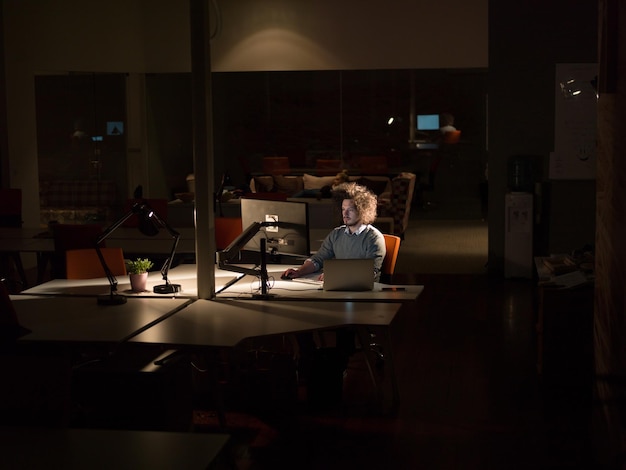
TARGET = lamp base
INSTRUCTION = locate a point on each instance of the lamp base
(263, 296)
(112, 299)
(167, 289)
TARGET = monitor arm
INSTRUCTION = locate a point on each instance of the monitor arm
(225, 256)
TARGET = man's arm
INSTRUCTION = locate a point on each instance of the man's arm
(307, 267)
(316, 261)
(377, 250)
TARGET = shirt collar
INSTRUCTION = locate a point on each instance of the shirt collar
(358, 232)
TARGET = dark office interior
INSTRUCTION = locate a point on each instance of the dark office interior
(466, 352)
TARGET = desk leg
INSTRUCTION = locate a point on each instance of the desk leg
(15, 258)
(394, 382)
(365, 340)
(208, 362)
(42, 263)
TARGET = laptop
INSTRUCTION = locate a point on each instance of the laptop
(349, 274)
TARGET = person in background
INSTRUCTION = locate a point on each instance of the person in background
(325, 191)
(356, 238)
(446, 123)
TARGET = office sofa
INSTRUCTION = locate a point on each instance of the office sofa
(290, 185)
(394, 195)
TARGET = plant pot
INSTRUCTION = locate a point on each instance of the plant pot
(138, 282)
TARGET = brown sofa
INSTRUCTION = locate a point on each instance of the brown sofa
(287, 186)
(394, 196)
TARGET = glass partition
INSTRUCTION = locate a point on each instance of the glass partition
(302, 115)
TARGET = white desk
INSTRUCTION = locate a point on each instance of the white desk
(280, 289)
(225, 323)
(183, 274)
(81, 319)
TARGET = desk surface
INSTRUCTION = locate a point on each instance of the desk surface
(248, 286)
(183, 274)
(225, 323)
(95, 448)
(81, 319)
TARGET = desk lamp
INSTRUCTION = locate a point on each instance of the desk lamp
(149, 223)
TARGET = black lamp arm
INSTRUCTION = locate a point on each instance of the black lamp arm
(176, 236)
(107, 271)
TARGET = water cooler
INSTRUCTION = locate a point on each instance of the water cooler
(518, 219)
(518, 236)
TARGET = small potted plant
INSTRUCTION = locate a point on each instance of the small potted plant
(138, 272)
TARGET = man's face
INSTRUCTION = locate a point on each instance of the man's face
(350, 215)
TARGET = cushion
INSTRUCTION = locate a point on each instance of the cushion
(376, 186)
(317, 182)
(263, 184)
(287, 184)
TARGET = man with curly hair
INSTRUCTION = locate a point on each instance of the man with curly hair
(356, 238)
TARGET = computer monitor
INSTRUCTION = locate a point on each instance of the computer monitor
(427, 122)
(290, 235)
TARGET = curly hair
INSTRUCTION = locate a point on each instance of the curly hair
(365, 200)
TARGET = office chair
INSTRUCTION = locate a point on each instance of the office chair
(84, 263)
(276, 165)
(392, 244)
(327, 167)
(373, 165)
(226, 230)
(71, 237)
(451, 137)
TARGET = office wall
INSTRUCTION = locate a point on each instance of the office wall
(149, 36)
(350, 34)
(527, 40)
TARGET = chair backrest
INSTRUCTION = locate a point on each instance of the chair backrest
(452, 137)
(276, 165)
(226, 230)
(373, 165)
(392, 243)
(11, 207)
(84, 263)
(402, 188)
(71, 237)
(327, 167)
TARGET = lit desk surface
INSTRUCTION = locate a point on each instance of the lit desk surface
(183, 274)
(248, 285)
(225, 323)
(98, 448)
(81, 319)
